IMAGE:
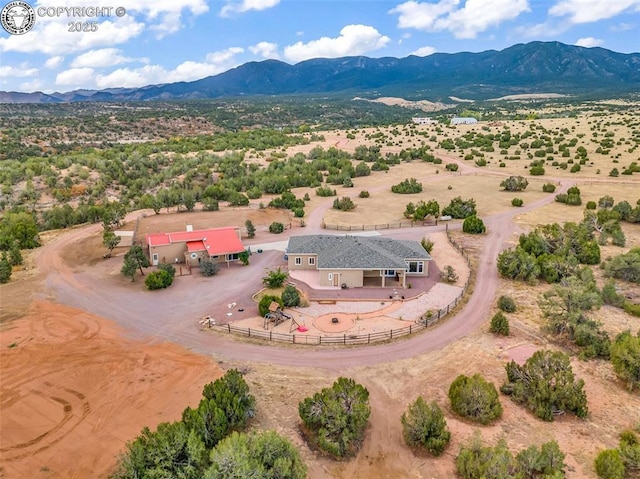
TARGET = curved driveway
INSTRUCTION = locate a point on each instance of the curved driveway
(170, 316)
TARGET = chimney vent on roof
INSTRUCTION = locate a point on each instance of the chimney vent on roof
(189, 228)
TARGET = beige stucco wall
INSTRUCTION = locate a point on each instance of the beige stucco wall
(353, 278)
(305, 262)
(168, 253)
(425, 271)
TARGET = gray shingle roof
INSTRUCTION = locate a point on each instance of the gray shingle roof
(358, 252)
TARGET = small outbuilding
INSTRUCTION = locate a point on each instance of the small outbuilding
(193, 247)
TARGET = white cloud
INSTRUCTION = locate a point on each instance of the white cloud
(473, 17)
(265, 49)
(587, 11)
(589, 42)
(76, 77)
(424, 51)
(22, 71)
(102, 58)
(622, 27)
(246, 5)
(33, 85)
(54, 62)
(51, 35)
(541, 30)
(353, 40)
(215, 62)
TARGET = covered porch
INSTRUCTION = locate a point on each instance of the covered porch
(384, 278)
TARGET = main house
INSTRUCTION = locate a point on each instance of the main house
(356, 261)
(194, 246)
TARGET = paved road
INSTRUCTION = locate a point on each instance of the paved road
(172, 314)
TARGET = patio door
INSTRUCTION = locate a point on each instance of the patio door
(336, 279)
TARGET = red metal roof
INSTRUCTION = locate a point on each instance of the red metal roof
(215, 241)
(195, 246)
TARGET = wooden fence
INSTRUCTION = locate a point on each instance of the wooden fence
(381, 226)
(421, 323)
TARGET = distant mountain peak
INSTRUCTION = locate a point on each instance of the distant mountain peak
(530, 68)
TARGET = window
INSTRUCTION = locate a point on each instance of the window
(298, 261)
(312, 260)
(232, 257)
(416, 267)
(330, 276)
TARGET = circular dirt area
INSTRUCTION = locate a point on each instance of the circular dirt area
(521, 353)
(334, 322)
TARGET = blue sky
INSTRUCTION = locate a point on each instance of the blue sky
(163, 41)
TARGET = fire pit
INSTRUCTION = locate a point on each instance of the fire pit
(334, 320)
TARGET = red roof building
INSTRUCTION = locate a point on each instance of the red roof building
(193, 247)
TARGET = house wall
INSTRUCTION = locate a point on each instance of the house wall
(199, 255)
(425, 271)
(305, 262)
(353, 277)
(168, 253)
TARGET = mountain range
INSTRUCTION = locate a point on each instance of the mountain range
(536, 67)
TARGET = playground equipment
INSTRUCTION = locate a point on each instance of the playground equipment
(207, 321)
(275, 315)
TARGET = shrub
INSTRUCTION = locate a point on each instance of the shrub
(336, 418)
(325, 191)
(275, 278)
(545, 384)
(407, 186)
(614, 172)
(475, 460)
(548, 187)
(610, 295)
(158, 280)
(625, 357)
(424, 425)
(276, 227)
(507, 304)
(605, 202)
(473, 225)
(5, 269)
(459, 208)
(514, 183)
(344, 204)
(517, 202)
(624, 266)
(537, 170)
(449, 274)
(227, 405)
(591, 205)
(287, 200)
(451, 166)
(631, 308)
(298, 212)
(427, 244)
(475, 398)
(609, 465)
(265, 302)
(499, 324)
(242, 455)
(168, 268)
(290, 296)
(208, 268)
(363, 194)
(251, 229)
(244, 258)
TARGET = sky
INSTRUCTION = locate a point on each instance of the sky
(164, 41)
